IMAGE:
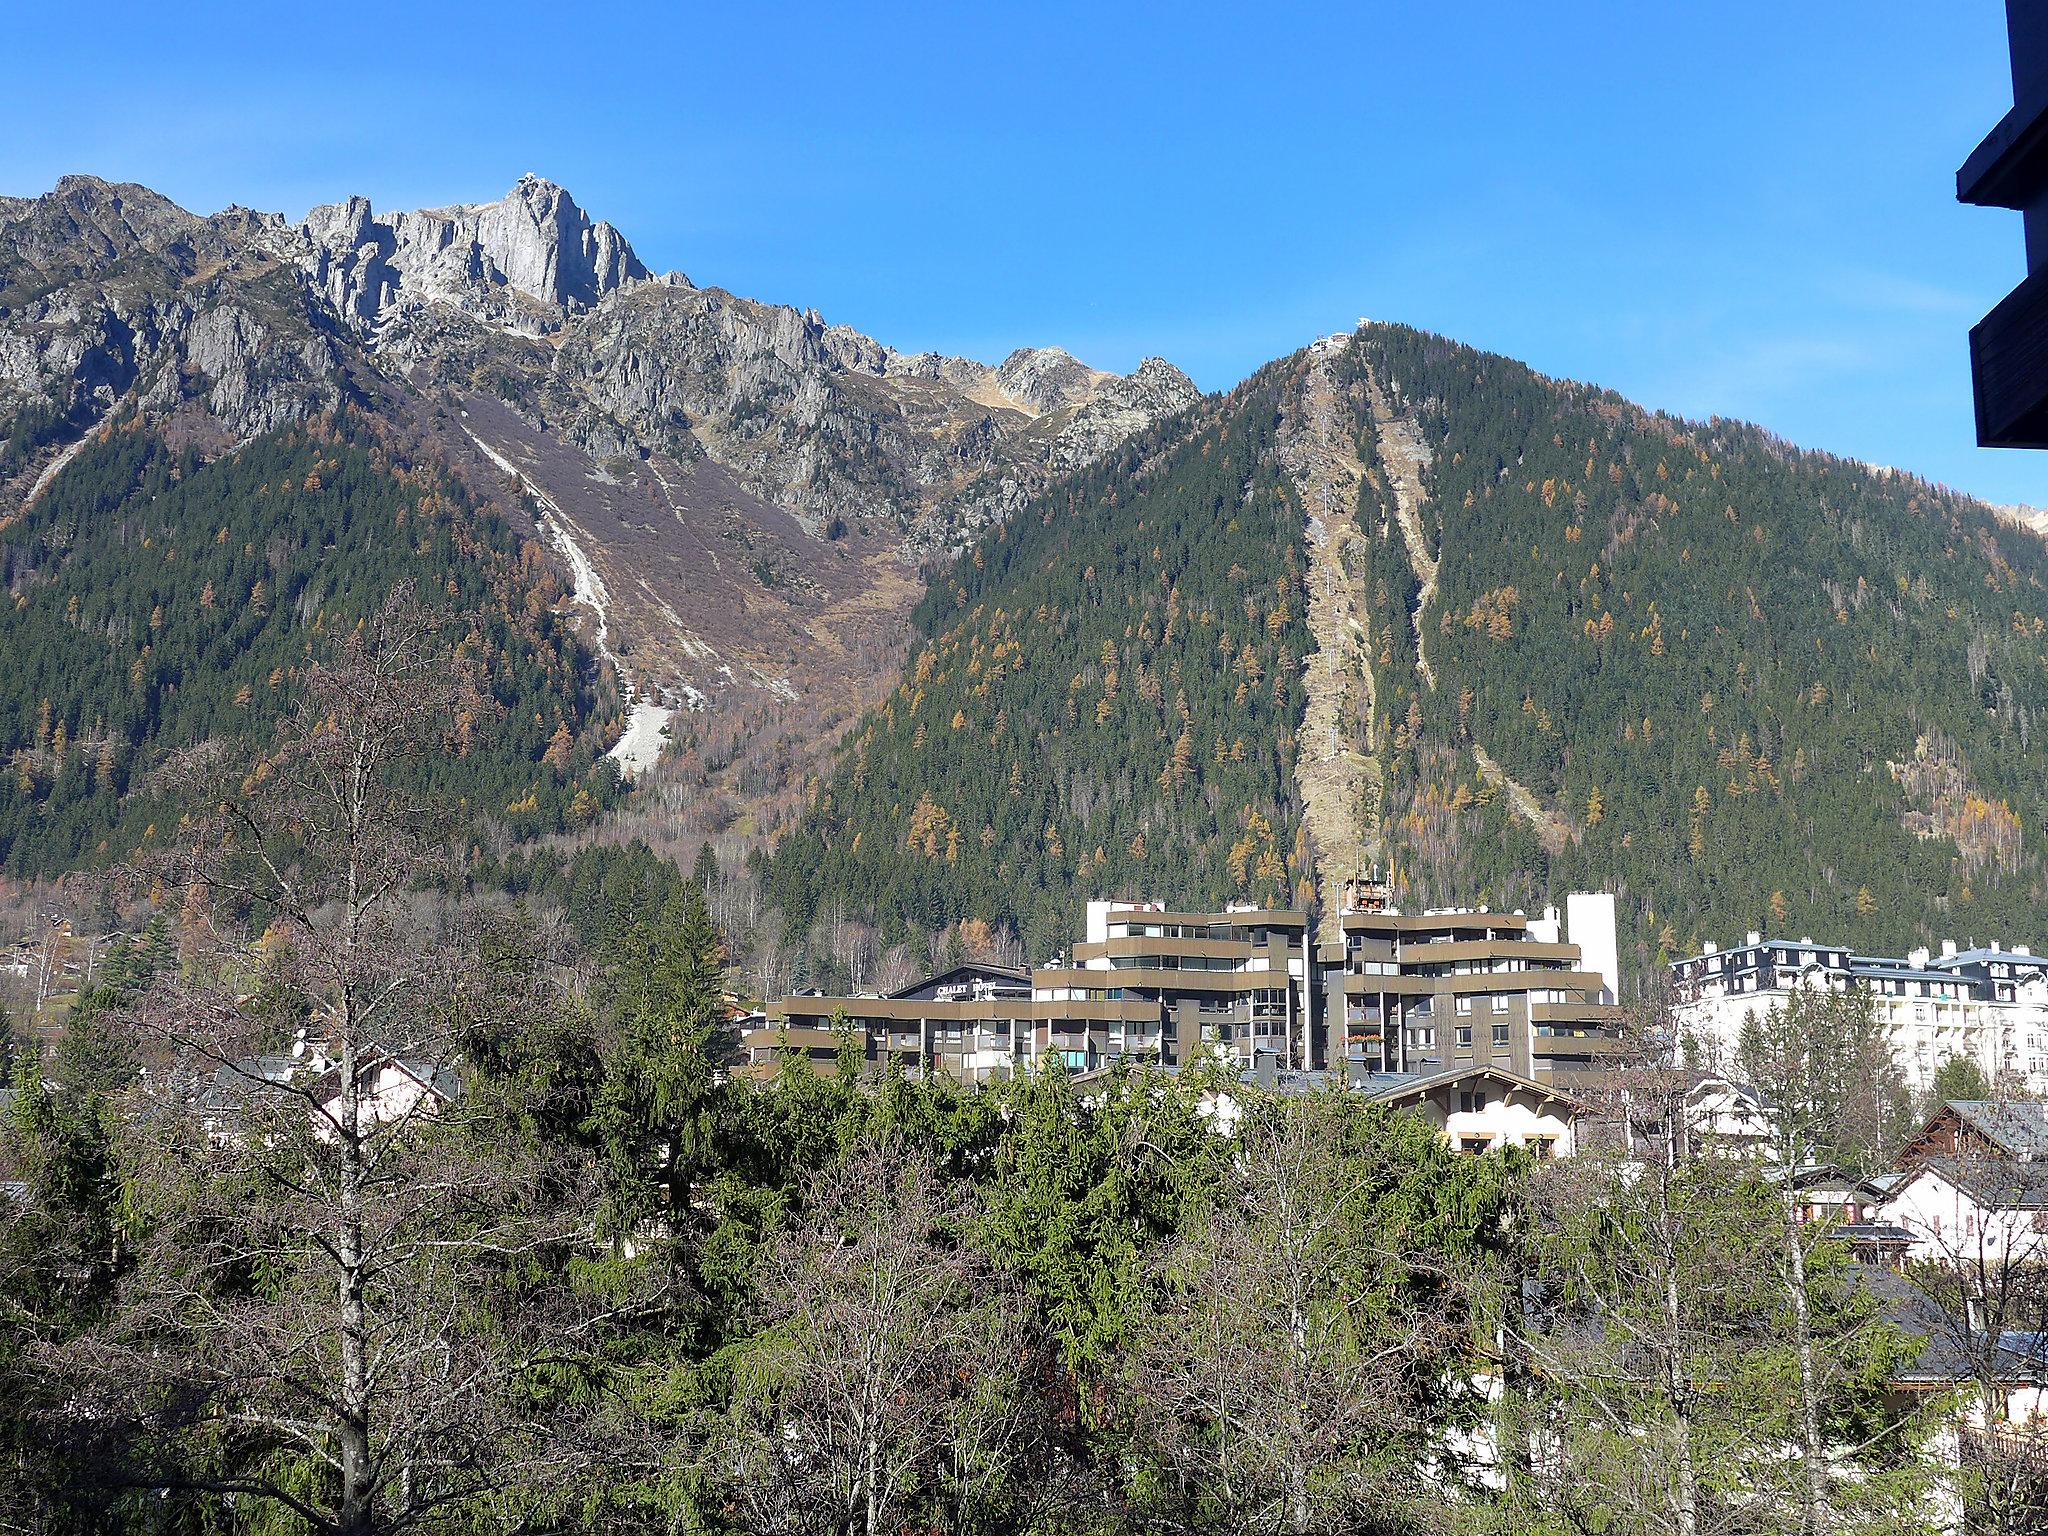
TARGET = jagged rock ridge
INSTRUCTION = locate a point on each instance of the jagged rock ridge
(534, 241)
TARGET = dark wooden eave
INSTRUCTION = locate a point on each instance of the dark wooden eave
(2008, 168)
(2009, 368)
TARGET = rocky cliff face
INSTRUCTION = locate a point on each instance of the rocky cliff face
(112, 297)
(533, 245)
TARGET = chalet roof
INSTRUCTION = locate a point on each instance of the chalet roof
(1394, 1087)
(1710, 1083)
(1942, 1360)
(2018, 1128)
(1812, 1176)
(1885, 1233)
(233, 1080)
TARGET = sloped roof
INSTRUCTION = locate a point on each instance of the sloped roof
(974, 970)
(1393, 1087)
(1942, 1361)
(2019, 1128)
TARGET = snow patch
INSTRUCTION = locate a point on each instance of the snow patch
(639, 746)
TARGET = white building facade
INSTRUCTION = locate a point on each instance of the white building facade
(1987, 1005)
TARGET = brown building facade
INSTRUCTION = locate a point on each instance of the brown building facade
(1462, 988)
(1429, 993)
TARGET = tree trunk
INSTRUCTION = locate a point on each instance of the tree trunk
(357, 1507)
(1685, 1497)
(1297, 1467)
(1816, 1470)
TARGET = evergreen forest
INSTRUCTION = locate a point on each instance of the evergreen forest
(161, 599)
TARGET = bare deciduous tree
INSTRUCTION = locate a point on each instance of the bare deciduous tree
(343, 1284)
(1296, 1379)
(897, 970)
(887, 1383)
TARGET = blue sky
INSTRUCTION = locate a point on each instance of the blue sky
(1737, 208)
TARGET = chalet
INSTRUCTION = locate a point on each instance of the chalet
(1823, 1192)
(2013, 1129)
(1972, 1210)
(392, 1088)
(1728, 1119)
(1483, 1109)
(1476, 1109)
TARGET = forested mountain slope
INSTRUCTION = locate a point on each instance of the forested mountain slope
(158, 599)
(1749, 685)
(1103, 695)
(1738, 683)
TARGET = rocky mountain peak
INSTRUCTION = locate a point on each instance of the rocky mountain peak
(1043, 379)
(84, 220)
(534, 244)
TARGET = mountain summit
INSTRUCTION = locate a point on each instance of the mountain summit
(534, 242)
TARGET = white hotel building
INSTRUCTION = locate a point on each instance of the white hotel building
(1990, 1004)
(1987, 1004)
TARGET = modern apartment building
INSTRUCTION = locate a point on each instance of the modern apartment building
(1987, 1004)
(1453, 988)
(1422, 995)
(1234, 982)
(1144, 983)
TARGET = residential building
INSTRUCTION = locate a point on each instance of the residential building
(1145, 983)
(1483, 1109)
(1466, 987)
(1989, 1005)
(1475, 1109)
(2015, 1129)
(389, 1088)
(1231, 983)
(973, 1023)
(1973, 1211)
(1421, 995)
(1972, 1185)
(1728, 1119)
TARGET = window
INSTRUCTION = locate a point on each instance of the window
(1464, 1006)
(1542, 1148)
(1500, 1002)
(1465, 1034)
(1500, 1034)
(1473, 1146)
